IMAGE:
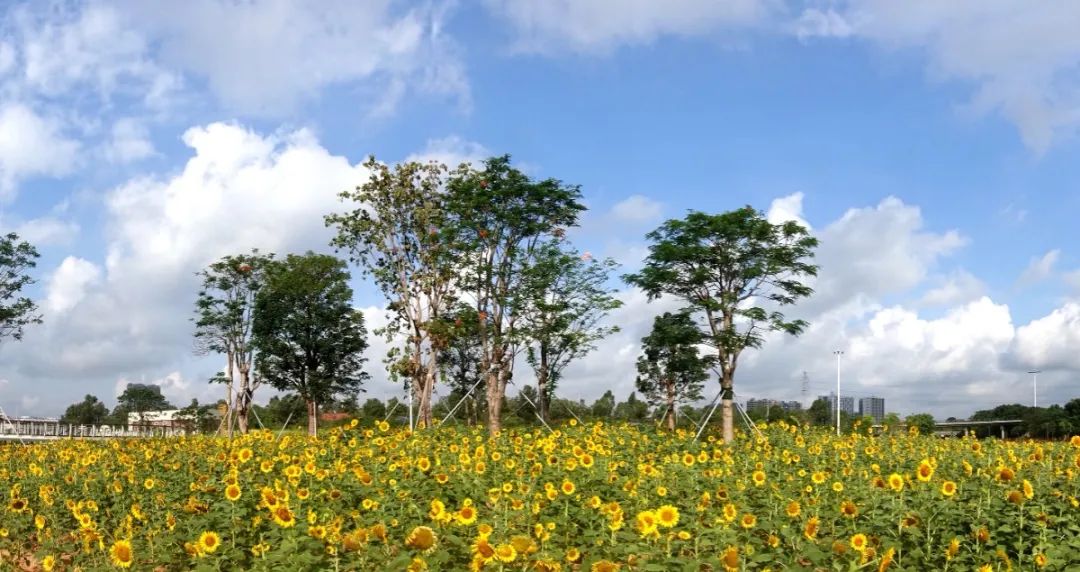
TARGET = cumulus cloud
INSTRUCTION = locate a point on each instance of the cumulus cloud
(786, 209)
(48, 230)
(451, 151)
(1050, 342)
(128, 141)
(598, 26)
(637, 209)
(32, 145)
(958, 287)
(129, 319)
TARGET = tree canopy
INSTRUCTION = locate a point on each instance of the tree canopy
(308, 337)
(17, 258)
(671, 370)
(737, 269)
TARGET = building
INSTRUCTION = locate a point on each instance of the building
(170, 418)
(847, 404)
(767, 405)
(873, 407)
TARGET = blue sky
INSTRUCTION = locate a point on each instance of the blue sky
(930, 147)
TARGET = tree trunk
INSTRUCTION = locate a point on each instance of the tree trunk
(312, 418)
(670, 406)
(494, 403)
(243, 399)
(229, 403)
(727, 411)
(542, 386)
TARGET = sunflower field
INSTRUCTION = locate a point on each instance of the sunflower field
(585, 497)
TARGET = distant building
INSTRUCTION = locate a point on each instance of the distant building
(847, 404)
(170, 418)
(872, 406)
(769, 404)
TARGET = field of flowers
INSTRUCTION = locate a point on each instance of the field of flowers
(593, 497)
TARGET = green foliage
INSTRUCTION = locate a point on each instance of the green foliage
(821, 413)
(16, 312)
(670, 369)
(139, 398)
(923, 421)
(566, 298)
(89, 411)
(224, 319)
(499, 220)
(308, 337)
(737, 269)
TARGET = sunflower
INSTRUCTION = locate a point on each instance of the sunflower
(667, 516)
(848, 509)
(646, 522)
(758, 477)
(730, 512)
(283, 517)
(688, 460)
(730, 559)
(604, 566)
(748, 521)
(1029, 491)
(466, 515)
(568, 488)
(209, 541)
(925, 471)
(858, 542)
(793, 509)
(1040, 559)
(120, 554)
(948, 488)
(505, 553)
(48, 563)
(952, 548)
(573, 555)
(887, 559)
(1015, 497)
(1005, 474)
(811, 529)
(421, 538)
(232, 492)
(896, 482)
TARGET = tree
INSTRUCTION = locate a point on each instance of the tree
(89, 411)
(197, 417)
(140, 398)
(737, 269)
(499, 219)
(288, 408)
(604, 407)
(373, 410)
(224, 318)
(670, 369)
(397, 234)
(633, 409)
(460, 360)
(308, 337)
(820, 413)
(923, 421)
(16, 312)
(566, 297)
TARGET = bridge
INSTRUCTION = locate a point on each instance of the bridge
(30, 429)
(942, 426)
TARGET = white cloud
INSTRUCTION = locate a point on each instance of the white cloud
(637, 209)
(32, 145)
(69, 282)
(1050, 342)
(451, 151)
(1039, 268)
(787, 208)
(48, 230)
(598, 26)
(268, 56)
(1020, 62)
(128, 141)
(1072, 280)
(958, 287)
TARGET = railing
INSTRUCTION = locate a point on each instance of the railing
(20, 428)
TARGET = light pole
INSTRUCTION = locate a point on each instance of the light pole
(838, 353)
(1035, 387)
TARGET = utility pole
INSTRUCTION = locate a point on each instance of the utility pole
(838, 353)
(1035, 387)
(805, 388)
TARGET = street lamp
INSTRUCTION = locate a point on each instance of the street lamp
(1035, 387)
(838, 353)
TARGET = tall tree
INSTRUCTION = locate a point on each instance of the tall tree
(736, 268)
(308, 336)
(17, 258)
(671, 370)
(500, 218)
(566, 298)
(139, 398)
(396, 234)
(89, 411)
(224, 318)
